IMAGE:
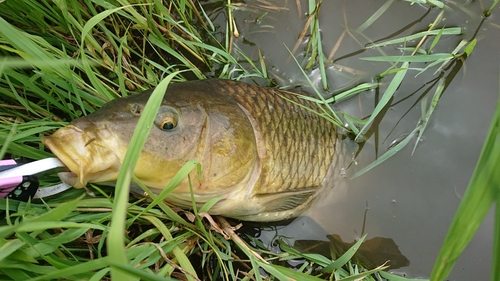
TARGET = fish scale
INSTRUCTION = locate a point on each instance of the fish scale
(305, 143)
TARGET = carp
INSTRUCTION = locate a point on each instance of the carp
(266, 152)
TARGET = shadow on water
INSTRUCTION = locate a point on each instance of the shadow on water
(372, 253)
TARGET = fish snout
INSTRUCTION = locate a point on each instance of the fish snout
(79, 147)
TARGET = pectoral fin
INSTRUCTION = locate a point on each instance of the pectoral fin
(285, 201)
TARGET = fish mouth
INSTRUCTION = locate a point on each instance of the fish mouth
(85, 155)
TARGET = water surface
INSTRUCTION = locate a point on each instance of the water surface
(409, 198)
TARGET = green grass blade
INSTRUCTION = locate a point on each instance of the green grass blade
(444, 31)
(176, 180)
(435, 41)
(467, 51)
(388, 154)
(85, 61)
(345, 258)
(482, 191)
(436, 3)
(386, 97)
(350, 121)
(42, 225)
(209, 204)
(417, 58)
(321, 57)
(163, 45)
(392, 277)
(284, 274)
(353, 92)
(375, 16)
(24, 45)
(140, 274)
(74, 270)
(116, 240)
(8, 139)
(495, 272)
(165, 208)
(7, 247)
(15, 274)
(44, 221)
(425, 118)
(488, 13)
(262, 63)
(179, 254)
(56, 214)
(331, 112)
(470, 47)
(8, 62)
(316, 258)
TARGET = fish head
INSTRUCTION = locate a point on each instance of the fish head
(194, 122)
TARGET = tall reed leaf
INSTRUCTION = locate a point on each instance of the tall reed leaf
(495, 273)
(482, 191)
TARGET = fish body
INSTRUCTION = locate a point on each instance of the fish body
(260, 149)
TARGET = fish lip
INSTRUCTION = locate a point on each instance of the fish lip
(56, 145)
(70, 178)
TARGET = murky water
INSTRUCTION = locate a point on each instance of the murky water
(409, 198)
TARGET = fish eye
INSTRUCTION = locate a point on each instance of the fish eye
(167, 118)
(168, 123)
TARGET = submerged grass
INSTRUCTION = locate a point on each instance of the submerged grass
(63, 59)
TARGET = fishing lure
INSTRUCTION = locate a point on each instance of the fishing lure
(19, 179)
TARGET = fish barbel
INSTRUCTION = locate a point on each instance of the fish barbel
(260, 149)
